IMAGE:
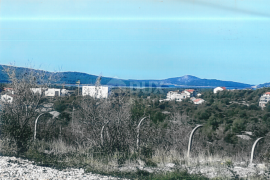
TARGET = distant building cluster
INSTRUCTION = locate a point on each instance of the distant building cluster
(51, 92)
(264, 99)
(179, 96)
(9, 94)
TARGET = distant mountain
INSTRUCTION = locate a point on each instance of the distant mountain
(195, 81)
(263, 85)
(72, 77)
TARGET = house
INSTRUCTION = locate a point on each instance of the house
(96, 91)
(198, 101)
(10, 90)
(64, 92)
(37, 90)
(199, 95)
(175, 95)
(189, 92)
(217, 89)
(8, 98)
(264, 99)
(51, 92)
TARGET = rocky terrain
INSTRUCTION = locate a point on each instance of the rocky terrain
(17, 168)
(213, 169)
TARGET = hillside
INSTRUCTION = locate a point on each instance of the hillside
(72, 77)
(264, 85)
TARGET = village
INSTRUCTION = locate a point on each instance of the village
(8, 94)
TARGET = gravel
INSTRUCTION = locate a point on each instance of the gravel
(17, 168)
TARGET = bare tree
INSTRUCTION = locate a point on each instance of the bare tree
(18, 116)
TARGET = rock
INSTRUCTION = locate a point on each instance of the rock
(170, 165)
(141, 163)
(128, 169)
(261, 166)
(243, 163)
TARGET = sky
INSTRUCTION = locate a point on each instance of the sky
(140, 39)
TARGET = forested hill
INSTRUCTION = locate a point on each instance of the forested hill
(264, 85)
(72, 77)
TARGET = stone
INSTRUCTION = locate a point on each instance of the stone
(170, 165)
(141, 163)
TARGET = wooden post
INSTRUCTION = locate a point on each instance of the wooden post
(190, 139)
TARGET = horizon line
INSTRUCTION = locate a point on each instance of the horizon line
(128, 19)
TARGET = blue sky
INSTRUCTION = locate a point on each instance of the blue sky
(140, 39)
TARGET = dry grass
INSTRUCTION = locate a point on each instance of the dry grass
(65, 156)
(8, 147)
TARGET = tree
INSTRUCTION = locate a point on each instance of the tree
(2, 87)
(18, 117)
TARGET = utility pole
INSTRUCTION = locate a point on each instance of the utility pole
(78, 82)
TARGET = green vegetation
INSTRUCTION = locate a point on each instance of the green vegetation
(102, 134)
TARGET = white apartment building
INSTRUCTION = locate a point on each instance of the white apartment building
(96, 91)
(264, 99)
(51, 92)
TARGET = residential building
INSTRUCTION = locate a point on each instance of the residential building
(9, 90)
(36, 90)
(51, 92)
(96, 91)
(198, 101)
(64, 92)
(179, 96)
(190, 92)
(8, 98)
(264, 99)
(176, 95)
(217, 89)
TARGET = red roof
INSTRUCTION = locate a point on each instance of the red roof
(223, 88)
(189, 90)
(267, 93)
(197, 100)
(5, 89)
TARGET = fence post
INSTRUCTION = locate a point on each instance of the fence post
(138, 132)
(35, 133)
(190, 139)
(101, 134)
(253, 148)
